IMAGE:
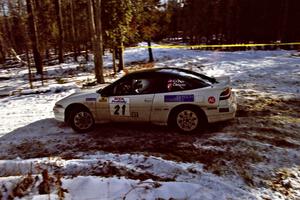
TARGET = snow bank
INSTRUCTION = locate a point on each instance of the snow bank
(187, 184)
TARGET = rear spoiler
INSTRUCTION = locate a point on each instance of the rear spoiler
(223, 80)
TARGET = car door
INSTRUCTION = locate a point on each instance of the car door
(175, 90)
(102, 109)
(131, 100)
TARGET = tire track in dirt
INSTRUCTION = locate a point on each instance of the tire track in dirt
(262, 125)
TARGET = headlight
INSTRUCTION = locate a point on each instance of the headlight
(57, 107)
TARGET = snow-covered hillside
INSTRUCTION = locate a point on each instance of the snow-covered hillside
(255, 156)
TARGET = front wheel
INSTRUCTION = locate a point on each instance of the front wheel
(81, 121)
(187, 119)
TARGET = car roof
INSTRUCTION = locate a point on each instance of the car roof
(162, 70)
(169, 71)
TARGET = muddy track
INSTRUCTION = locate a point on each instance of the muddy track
(271, 121)
(263, 125)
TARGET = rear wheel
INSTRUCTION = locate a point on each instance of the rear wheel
(187, 119)
(81, 120)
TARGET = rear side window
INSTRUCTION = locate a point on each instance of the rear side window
(176, 84)
(180, 84)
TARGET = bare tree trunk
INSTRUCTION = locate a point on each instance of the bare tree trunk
(96, 30)
(99, 43)
(114, 60)
(3, 46)
(60, 30)
(47, 54)
(86, 53)
(8, 29)
(29, 69)
(91, 24)
(2, 52)
(150, 51)
(8, 26)
(2, 55)
(34, 39)
(74, 44)
(121, 55)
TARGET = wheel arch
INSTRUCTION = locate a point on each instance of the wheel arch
(74, 106)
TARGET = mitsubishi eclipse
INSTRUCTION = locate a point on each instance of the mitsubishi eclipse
(180, 98)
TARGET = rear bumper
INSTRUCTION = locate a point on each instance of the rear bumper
(225, 112)
(223, 116)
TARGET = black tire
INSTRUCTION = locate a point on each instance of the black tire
(81, 120)
(187, 119)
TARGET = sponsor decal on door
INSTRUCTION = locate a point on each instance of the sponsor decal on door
(179, 98)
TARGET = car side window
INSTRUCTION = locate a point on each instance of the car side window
(143, 86)
(176, 84)
(123, 88)
(135, 86)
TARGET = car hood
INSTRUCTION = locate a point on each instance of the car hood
(81, 94)
(79, 97)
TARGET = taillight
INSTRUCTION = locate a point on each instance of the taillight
(225, 94)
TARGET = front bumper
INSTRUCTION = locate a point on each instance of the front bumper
(59, 112)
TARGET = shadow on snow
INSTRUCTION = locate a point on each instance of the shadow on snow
(48, 137)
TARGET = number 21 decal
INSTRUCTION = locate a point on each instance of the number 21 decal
(117, 109)
(119, 106)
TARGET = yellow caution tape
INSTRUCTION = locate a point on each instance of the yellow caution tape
(218, 45)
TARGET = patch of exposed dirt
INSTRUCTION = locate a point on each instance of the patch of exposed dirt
(263, 123)
(286, 181)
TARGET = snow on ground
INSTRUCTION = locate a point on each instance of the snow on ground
(255, 156)
(154, 177)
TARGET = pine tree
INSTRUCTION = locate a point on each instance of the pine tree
(117, 16)
(148, 16)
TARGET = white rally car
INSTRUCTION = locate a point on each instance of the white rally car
(183, 99)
